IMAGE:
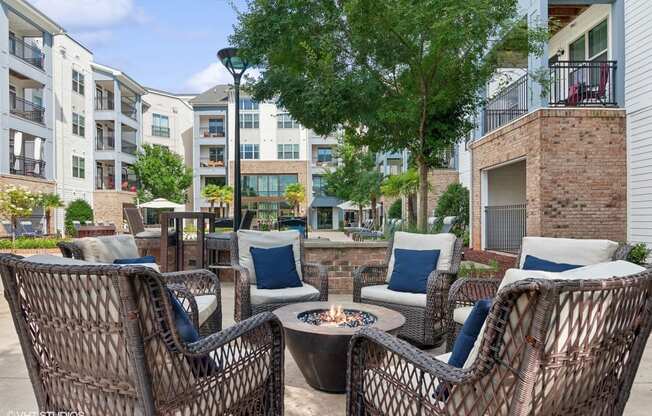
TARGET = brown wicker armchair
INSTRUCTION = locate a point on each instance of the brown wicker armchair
(313, 275)
(198, 290)
(551, 348)
(424, 325)
(465, 292)
(101, 340)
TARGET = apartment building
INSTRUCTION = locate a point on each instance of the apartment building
(74, 122)
(168, 121)
(27, 102)
(118, 129)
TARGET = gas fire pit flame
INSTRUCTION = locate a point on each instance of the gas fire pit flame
(338, 316)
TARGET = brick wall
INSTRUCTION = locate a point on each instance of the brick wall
(439, 180)
(576, 176)
(107, 206)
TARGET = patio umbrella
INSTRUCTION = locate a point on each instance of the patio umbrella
(162, 203)
(18, 148)
(350, 206)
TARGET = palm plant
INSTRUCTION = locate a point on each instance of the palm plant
(225, 198)
(295, 193)
(49, 202)
(212, 193)
(405, 185)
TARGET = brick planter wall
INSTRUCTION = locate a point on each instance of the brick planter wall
(342, 258)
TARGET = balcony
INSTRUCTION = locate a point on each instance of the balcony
(26, 52)
(508, 105)
(160, 131)
(105, 142)
(128, 108)
(105, 183)
(27, 166)
(26, 109)
(104, 103)
(210, 132)
(583, 84)
(206, 162)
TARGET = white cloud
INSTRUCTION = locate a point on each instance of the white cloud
(215, 73)
(79, 14)
(95, 38)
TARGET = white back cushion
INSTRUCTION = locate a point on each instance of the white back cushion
(568, 250)
(606, 270)
(107, 249)
(266, 239)
(444, 242)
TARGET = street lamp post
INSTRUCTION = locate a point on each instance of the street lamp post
(236, 66)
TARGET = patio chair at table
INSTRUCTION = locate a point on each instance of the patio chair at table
(424, 312)
(7, 227)
(547, 347)
(109, 340)
(465, 292)
(203, 291)
(249, 299)
(26, 229)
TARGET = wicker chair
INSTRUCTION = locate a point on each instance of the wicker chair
(466, 291)
(565, 347)
(313, 275)
(101, 340)
(201, 294)
(424, 325)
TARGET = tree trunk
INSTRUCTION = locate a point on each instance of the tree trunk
(47, 220)
(411, 209)
(360, 216)
(422, 208)
(373, 212)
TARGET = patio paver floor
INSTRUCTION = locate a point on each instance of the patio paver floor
(16, 393)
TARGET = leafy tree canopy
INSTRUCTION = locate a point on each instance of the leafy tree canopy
(162, 174)
(454, 202)
(295, 194)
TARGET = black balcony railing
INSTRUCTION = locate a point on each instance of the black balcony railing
(211, 132)
(207, 162)
(128, 108)
(104, 103)
(509, 104)
(28, 53)
(128, 143)
(160, 131)
(27, 166)
(26, 109)
(105, 142)
(583, 84)
(505, 227)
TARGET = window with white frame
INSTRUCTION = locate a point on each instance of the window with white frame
(248, 104)
(592, 45)
(285, 121)
(249, 120)
(249, 151)
(78, 124)
(78, 82)
(288, 151)
(160, 125)
(78, 167)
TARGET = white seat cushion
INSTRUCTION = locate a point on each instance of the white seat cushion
(66, 261)
(443, 242)
(444, 357)
(305, 293)
(460, 314)
(266, 239)
(381, 293)
(206, 304)
(109, 248)
(568, 250)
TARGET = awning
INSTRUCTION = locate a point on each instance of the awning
(325, 202)
(161, 203)
(350, 206)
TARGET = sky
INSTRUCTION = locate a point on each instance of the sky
(164, 44)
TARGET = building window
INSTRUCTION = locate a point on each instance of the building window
(285, 121)
(78, 82)
(266, 185)
(78, 125)
(160, 125)
(592, 45)
(249, 151)
(216, 154)
(249, 120)
(318, 185)
(248, 104)
(324, 154)
(78, 167)
(216, 126)
(288, 151)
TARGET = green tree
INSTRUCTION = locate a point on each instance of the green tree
(401, 74)
(454, 202)
(218, 194)
(77, 210)
(162, 174)
(49, 202)
(404, 185)
(395, 210)
(16, 202)
(355, 179)
(295, 194)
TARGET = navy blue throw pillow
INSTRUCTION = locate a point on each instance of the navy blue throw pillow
(275, 267)
(200, 366)
(137, 260)
(469, 332)
(411, 270)
(535, 263)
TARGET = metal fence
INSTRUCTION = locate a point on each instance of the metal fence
(26, 109)
(104, 103)
(505, 227)
(509, 104)
(26, 166)
(31, 54)
(583, 83)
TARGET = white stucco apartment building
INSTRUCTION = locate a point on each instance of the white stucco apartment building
(168, 121)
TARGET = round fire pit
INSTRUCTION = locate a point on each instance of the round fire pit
(318, 333)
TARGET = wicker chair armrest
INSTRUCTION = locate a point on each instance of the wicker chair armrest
(70, 250)
(371, 350)
(439, 283)
(199, 282)
(187, 300)
(622, 252)
(368, 275)
(467, 291)
(242, 292)
(316, 275)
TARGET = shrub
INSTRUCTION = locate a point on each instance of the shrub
(396, 209)
(639, 254)
(78, 210)
(454, 202)
(30, 243)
